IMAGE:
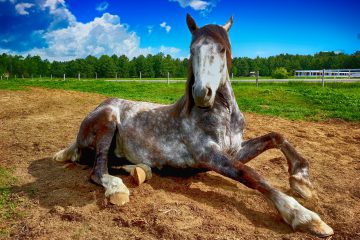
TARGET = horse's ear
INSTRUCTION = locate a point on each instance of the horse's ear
(191, 23)
(228, 25)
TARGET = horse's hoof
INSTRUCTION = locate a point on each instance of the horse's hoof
(299, 217)
(140, 172)
(139, 175)
(119, 199)
(302, 186)
(147, 170)
(317, 228)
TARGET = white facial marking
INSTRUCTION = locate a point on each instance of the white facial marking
(209, 67)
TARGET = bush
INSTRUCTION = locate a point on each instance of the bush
(280, 73)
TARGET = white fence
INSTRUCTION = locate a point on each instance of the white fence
(336, 73)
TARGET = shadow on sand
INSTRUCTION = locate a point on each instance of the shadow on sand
(59, 186)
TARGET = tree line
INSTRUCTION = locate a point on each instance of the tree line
(159, 65)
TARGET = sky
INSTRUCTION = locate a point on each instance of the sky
(69, 29)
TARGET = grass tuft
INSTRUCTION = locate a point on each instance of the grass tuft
(7, 200)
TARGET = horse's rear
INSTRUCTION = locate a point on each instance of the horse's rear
(96, 133)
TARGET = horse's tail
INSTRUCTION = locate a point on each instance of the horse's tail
(70, 153)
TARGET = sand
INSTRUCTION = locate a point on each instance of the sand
(60, 203)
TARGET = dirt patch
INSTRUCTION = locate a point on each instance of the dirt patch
(60, 203)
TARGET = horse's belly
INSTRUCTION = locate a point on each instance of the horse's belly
(156, 152)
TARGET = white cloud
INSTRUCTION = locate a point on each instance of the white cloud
(104, 35)
(65, 38)
(165, 26)
(61, 15)
(204, 6)
(169, 50)
(21, 8)
(150, 29)
(102, 6)
(199, 5)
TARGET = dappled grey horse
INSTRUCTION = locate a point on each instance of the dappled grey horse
(202, 130)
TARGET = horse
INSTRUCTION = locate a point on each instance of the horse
(204, 129)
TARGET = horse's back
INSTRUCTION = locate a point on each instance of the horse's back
(110, 113)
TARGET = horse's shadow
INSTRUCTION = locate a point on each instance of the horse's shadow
(55, 185)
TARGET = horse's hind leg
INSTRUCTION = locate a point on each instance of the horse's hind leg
(298, 166)
(293, 213)
(71, 153)
(115, 189)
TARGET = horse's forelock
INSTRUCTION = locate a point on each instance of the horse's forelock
(219, 35)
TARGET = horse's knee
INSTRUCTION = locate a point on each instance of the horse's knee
(276, 138)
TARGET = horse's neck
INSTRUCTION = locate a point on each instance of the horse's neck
(228, 93)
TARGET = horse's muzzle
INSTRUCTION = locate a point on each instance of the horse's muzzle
(202, 96)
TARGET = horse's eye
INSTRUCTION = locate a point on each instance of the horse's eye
(222, 50)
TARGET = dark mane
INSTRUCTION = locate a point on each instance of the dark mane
(219, 35)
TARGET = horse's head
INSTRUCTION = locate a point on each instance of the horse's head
(210, 59)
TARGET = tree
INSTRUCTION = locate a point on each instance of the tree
(280, 73)
(159, 65)
(90, 66)
(106, 67)
(122, 66)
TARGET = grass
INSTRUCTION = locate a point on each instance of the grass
(7, 203)
(293, 100)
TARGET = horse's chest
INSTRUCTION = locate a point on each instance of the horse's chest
(217, 127)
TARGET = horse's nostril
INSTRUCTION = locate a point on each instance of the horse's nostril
(209, 92)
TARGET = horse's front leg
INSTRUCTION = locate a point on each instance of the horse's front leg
(291, 211)
(298, 166)
(115, 189)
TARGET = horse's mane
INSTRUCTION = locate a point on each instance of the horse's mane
(219, 35)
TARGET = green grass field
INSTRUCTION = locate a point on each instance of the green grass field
(294, 100)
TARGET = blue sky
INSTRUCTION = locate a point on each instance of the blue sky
(68, 29)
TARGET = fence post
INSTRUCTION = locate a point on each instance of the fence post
(257, 78)
(323, 78)
(349, 74)
(79, 76)
(51, 76)
(64, 77)
(95, 75)
(140, 75)
(168, 80)
(31, 77)
(15, 76)
(232, 76)
(116, 76)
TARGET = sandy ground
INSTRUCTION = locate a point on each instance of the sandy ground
(60, 203)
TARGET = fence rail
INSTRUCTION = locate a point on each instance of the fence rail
(336, 73)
